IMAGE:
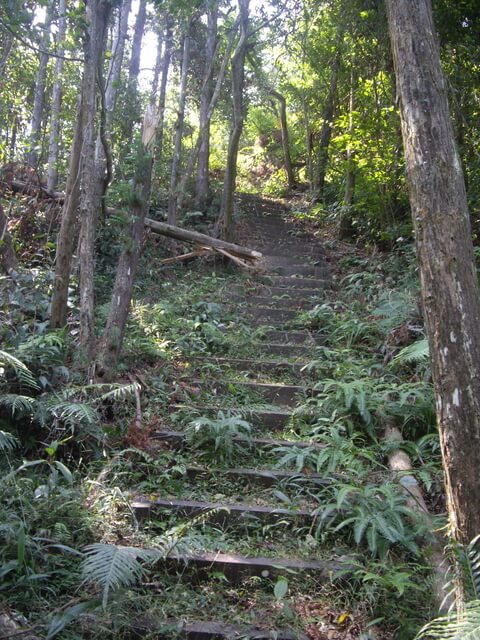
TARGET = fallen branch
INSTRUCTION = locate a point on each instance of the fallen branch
(186, 256)
(195, 237)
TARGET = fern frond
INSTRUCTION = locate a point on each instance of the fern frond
(416, 352)
(461, 626)
(7, 441)
(21, 370)
(17, 404)
(113, 566)
(473, 553)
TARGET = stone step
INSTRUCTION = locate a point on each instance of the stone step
(242, 302)
(274, 367)
(288, 293)
(294, 337)
(267, 315)
(302, 270)
(176, 439)
(222, 512)
(297, 283)
(207, 630)
(235, 567)
(271, 419)
(285, 350)
(278, 394)
(262, 477)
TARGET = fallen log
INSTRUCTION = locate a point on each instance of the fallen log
(195, 237)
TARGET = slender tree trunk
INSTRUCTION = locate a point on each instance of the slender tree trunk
(327, 118)
(158, 61)
(238, 79)
(308, 143)
(133, 70)
(450, 292)
(5, 48)
(39, 95)
(285, 141)
(346, 229)
(111, 341)
(167, 54)
(8, 259)
(98, 12)
(202, 182)
(52, 173)
(68, 227)
(208, 117)
(177, 150)
(108, 95)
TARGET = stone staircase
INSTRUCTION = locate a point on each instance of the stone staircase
(297, 273)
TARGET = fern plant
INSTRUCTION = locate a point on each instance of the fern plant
(465, 623)
(218, 438)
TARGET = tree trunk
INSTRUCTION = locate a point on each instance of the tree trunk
(208, 117)
(308, 142)
(450, 293)
(285, 142)
(327, 118)
(68, 227)
(167, 54)
(98, 12)
(39, 95)
(133, 70)
(346, 229)
(202, 182)
(112, 338)
(5, 48)
(52, 173)
(238, 78)
(8, 259)
(177, 150)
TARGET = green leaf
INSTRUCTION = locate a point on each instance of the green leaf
(281, 588)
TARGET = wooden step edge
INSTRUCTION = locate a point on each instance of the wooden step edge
(260, 411)
(262, 386)
(264, 477)
(177, 438)
(234, 566)
(207, 630)
(246, 364)
(143, 507)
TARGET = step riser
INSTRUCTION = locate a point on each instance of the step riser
(261, 478)
(273, 394)
(270, 420)
(286, 350)
(264, 314)
(294, 337)
(274, 368)
(206, 631)
(176, 440)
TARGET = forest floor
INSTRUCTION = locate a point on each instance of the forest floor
(244, 489)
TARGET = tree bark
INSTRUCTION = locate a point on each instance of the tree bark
(202, 182)
(450, 292)
(167, 54)
(98, 12)
(52, 173)
(8, 259)
(208, 117)
(346, 229)
(327, 118)
(68, 227)
(177, 150)
(238, 80)
(285, 141)
(133, 70)
(112, 338)
(39, 95)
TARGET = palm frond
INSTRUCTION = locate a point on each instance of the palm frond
(21, 370)
(17, 404)
(113, 566)
(7, 441)
(456, 626)
(417, 352)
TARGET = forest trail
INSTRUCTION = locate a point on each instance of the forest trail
(272, 380)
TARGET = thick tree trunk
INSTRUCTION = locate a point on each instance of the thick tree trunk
(39, 95)
(194, 154)
(238, 79)
(450, 292)
(202, 182)
(8, 259)
(52, 160)
(285, 141)
(177, 150)
(327, 121)
(98, 12)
